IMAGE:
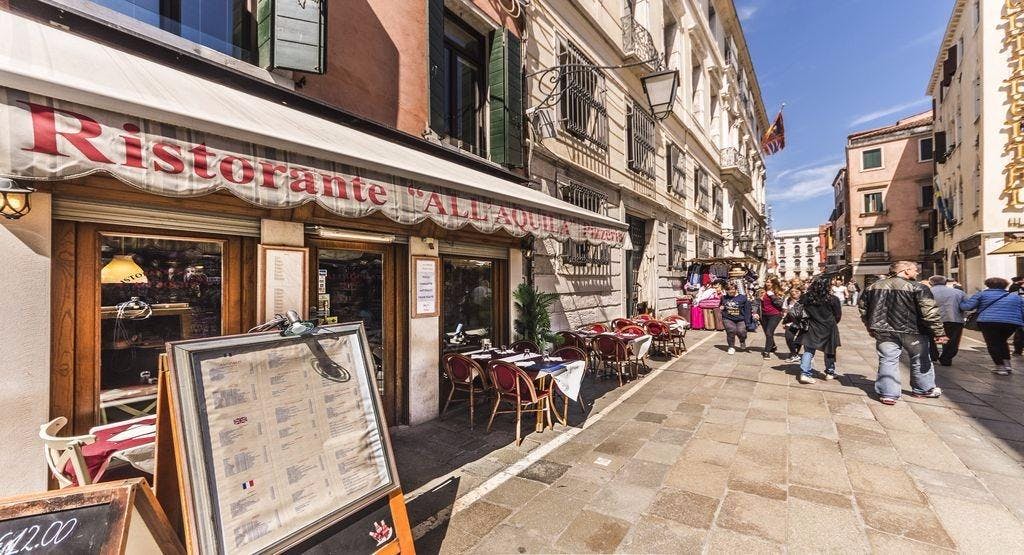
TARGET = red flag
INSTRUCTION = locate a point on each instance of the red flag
(774, 139)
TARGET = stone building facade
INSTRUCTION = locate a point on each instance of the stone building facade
(797, 252)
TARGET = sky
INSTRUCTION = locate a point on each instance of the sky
(840, 66)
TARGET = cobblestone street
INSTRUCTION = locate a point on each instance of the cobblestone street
(728, 454)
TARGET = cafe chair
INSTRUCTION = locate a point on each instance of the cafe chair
(678, 334)
(632, 329)
(660, 333)
(596, 327)
(465, 376)
(613, 353)
(58, 451)
(570, 339)
(571, 354)
(525, 345)
(515, 387)
(644, 317)
(620, 323)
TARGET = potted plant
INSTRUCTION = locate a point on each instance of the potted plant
(533, 317)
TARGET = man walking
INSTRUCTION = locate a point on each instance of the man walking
(901, 314)
(948, 300)
(1016, 285)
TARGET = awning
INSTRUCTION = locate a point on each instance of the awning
(1011, 247)
(71, 107)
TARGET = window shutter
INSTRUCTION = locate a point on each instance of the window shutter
(939, 147)
(435, 69)
(506, 105)
(292, 35)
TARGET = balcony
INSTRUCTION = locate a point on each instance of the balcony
(638, 45)
(875, 257)
(736, 171)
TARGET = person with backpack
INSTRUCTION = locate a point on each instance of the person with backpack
(999, 314)
(822, 311)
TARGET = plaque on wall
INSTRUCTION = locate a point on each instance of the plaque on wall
(281, 440)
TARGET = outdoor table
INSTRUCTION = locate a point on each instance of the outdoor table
(132, 442)
(568, 375)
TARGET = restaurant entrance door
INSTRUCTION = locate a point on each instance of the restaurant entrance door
(358, 283)
(634, 257)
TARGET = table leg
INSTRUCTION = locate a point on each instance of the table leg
(540, 413)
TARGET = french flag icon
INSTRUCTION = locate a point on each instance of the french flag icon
(248, 485)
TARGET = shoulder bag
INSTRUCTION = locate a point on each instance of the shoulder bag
(971, 318)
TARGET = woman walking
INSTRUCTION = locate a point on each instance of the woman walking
(823, 313)
(1000, 313)
(735, 317)
(771, 301)
(795, 323)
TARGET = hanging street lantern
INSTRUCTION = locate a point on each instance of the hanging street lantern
(660, 88)
(14, 199)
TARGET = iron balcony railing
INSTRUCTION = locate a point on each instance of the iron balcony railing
(731, 158)
(637, 42)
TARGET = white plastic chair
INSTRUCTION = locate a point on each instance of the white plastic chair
(59, 450)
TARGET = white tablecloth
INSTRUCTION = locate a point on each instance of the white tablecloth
(568, 376)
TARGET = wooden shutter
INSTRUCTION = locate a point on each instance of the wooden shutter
(939, 147)
(505, 80)
(292, 34)
(435, 52)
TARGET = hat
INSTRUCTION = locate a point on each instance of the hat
(737, 271)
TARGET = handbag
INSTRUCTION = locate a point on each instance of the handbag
(971, 318)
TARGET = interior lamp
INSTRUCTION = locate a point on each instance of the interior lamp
(123, 269)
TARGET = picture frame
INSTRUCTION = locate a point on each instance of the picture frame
(334, 460)
(282, 281)
(426, 287)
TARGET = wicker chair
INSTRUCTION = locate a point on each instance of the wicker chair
(464, 375)
(524, 345)
(613, 353)
(515, 387)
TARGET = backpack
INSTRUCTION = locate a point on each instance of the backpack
(797, 319)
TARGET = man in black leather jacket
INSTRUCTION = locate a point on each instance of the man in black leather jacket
(900, 314)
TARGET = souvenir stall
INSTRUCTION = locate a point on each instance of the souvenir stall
(705, 283)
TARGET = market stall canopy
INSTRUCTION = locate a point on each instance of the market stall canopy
(1011, 247)
(73, 107)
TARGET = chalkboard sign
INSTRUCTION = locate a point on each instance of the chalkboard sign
(108, 519)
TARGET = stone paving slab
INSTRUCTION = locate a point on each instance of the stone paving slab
(729, 454)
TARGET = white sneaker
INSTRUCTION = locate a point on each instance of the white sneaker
(731, 351)
(1002, 371)
(792, 360)
(806, 379)
(831, 376)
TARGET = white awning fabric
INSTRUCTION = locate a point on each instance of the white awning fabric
(70, 107)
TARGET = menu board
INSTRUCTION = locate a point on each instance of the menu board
(284, 436)
(282, 281)
(425, 271)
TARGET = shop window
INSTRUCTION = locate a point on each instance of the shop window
(640, 139)
(582, 104)
(350, 289)
(152, 290)
(871, 159)
(874, 242)
(468, 297)
(223, 25)
(677, 248)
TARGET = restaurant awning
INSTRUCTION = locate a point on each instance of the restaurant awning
(71, 107)
(1011, 247)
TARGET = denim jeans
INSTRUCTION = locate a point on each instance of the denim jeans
(890, 346)
(808, 356)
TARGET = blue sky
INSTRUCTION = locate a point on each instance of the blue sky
(840, 66)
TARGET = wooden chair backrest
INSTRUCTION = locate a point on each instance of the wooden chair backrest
(510, 379)
(462, 369)
(610, 347)
(570, 353)
(620, 323)
(570, 339)
(59, 450)
(633, 329)
(523, 345)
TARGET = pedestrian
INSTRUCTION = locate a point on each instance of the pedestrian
(900, 314)
(852, 292)
(736, 316)
(795, 323)
(999, 314)
(949, 300)
(770, 306)
(839, 290)
(822, 313)
(1018, 336)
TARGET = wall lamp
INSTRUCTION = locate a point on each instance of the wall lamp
(14, 199)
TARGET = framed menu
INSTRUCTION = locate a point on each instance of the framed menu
(283, 282)
(426, 272)
(279, 439)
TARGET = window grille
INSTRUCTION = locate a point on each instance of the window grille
(640, 139)
(580, 195)
(717, 200)
(582, 104)
(676, 170)
(700, 185)
(580, 253)
(677, 248)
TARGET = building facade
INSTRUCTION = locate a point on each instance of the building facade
(797, 252)
(837, 248)
(978, 171)
(690, 186)
(889, 196)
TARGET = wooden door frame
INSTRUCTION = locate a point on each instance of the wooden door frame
(394, 313)
(75, 308)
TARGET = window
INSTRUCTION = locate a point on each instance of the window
(582, 104)
(782, 250)
(924, 149)
(796, 250)
(977, 21)
(712, 18)
(977, 97)
(676, 170)
(977, 183)
(716, 200)
(702, 195)
(705, 246)
(873, 203)
(796, 263)
(640, 139)
(874, 241)
(582, 253)
(223, 25)
(718, 249)
(462, 70)
(927, 240)
(677, 248)
(871, 159)
(927, 196)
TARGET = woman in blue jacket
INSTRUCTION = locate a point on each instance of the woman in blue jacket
(736, 317)
(1000, 313)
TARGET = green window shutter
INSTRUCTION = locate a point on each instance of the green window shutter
(292, 35)
(435, 69)
(505, 81)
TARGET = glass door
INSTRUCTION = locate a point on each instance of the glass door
(471, 303)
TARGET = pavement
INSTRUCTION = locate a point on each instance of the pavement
(723, 453)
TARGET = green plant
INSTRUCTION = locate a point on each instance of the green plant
(533, 317)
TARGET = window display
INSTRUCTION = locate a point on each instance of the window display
(468, 302)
